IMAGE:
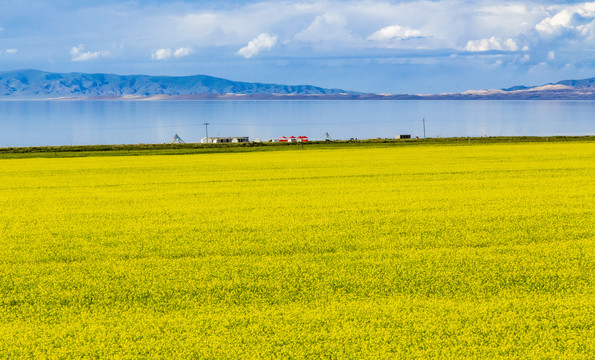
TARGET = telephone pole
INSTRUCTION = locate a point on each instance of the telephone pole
(207, 131)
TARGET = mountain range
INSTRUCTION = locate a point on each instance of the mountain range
(40, 84)
(35, 84)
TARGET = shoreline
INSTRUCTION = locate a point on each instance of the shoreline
(198, 148)
(527, 96)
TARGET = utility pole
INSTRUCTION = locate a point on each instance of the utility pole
(424, 121)
(207, 131)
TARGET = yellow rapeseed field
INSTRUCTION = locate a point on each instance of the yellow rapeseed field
(445, 252)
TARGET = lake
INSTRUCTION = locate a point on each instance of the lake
(36, 123)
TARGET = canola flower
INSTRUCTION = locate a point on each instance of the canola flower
(366, 253)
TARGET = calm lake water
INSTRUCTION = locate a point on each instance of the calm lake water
(34, 123)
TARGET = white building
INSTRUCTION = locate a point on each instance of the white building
(221, 140)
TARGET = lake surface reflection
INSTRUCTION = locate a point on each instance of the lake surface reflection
(35, 123)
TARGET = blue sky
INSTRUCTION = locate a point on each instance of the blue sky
(374, 46)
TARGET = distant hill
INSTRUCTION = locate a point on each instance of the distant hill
(562, 90)
(586, 83)
(35, 84)
(40, 84)
(579, 84)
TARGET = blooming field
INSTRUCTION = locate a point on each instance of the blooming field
(483, 251)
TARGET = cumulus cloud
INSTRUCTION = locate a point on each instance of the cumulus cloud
(12, 51)
(325, 31)
(164, 54)
(161, 54)
(262, 42)
(492, 43)
(328, 29)
(394, 32)
(183, 51)
(79, 54)
(324, 28)
(574, 18)
(314, 27)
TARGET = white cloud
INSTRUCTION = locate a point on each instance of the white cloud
(321, 32)
(394, 32)
(511, 45)
(183, 51)
(79, 54)
(161, 54)
(505, 19)
(555, 23)
(492, 43)
(164, 54)
(326, 27)
(551, 55)
(262, 42)
(570, 18)
(12, 51)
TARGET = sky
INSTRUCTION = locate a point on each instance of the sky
(369, 45)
